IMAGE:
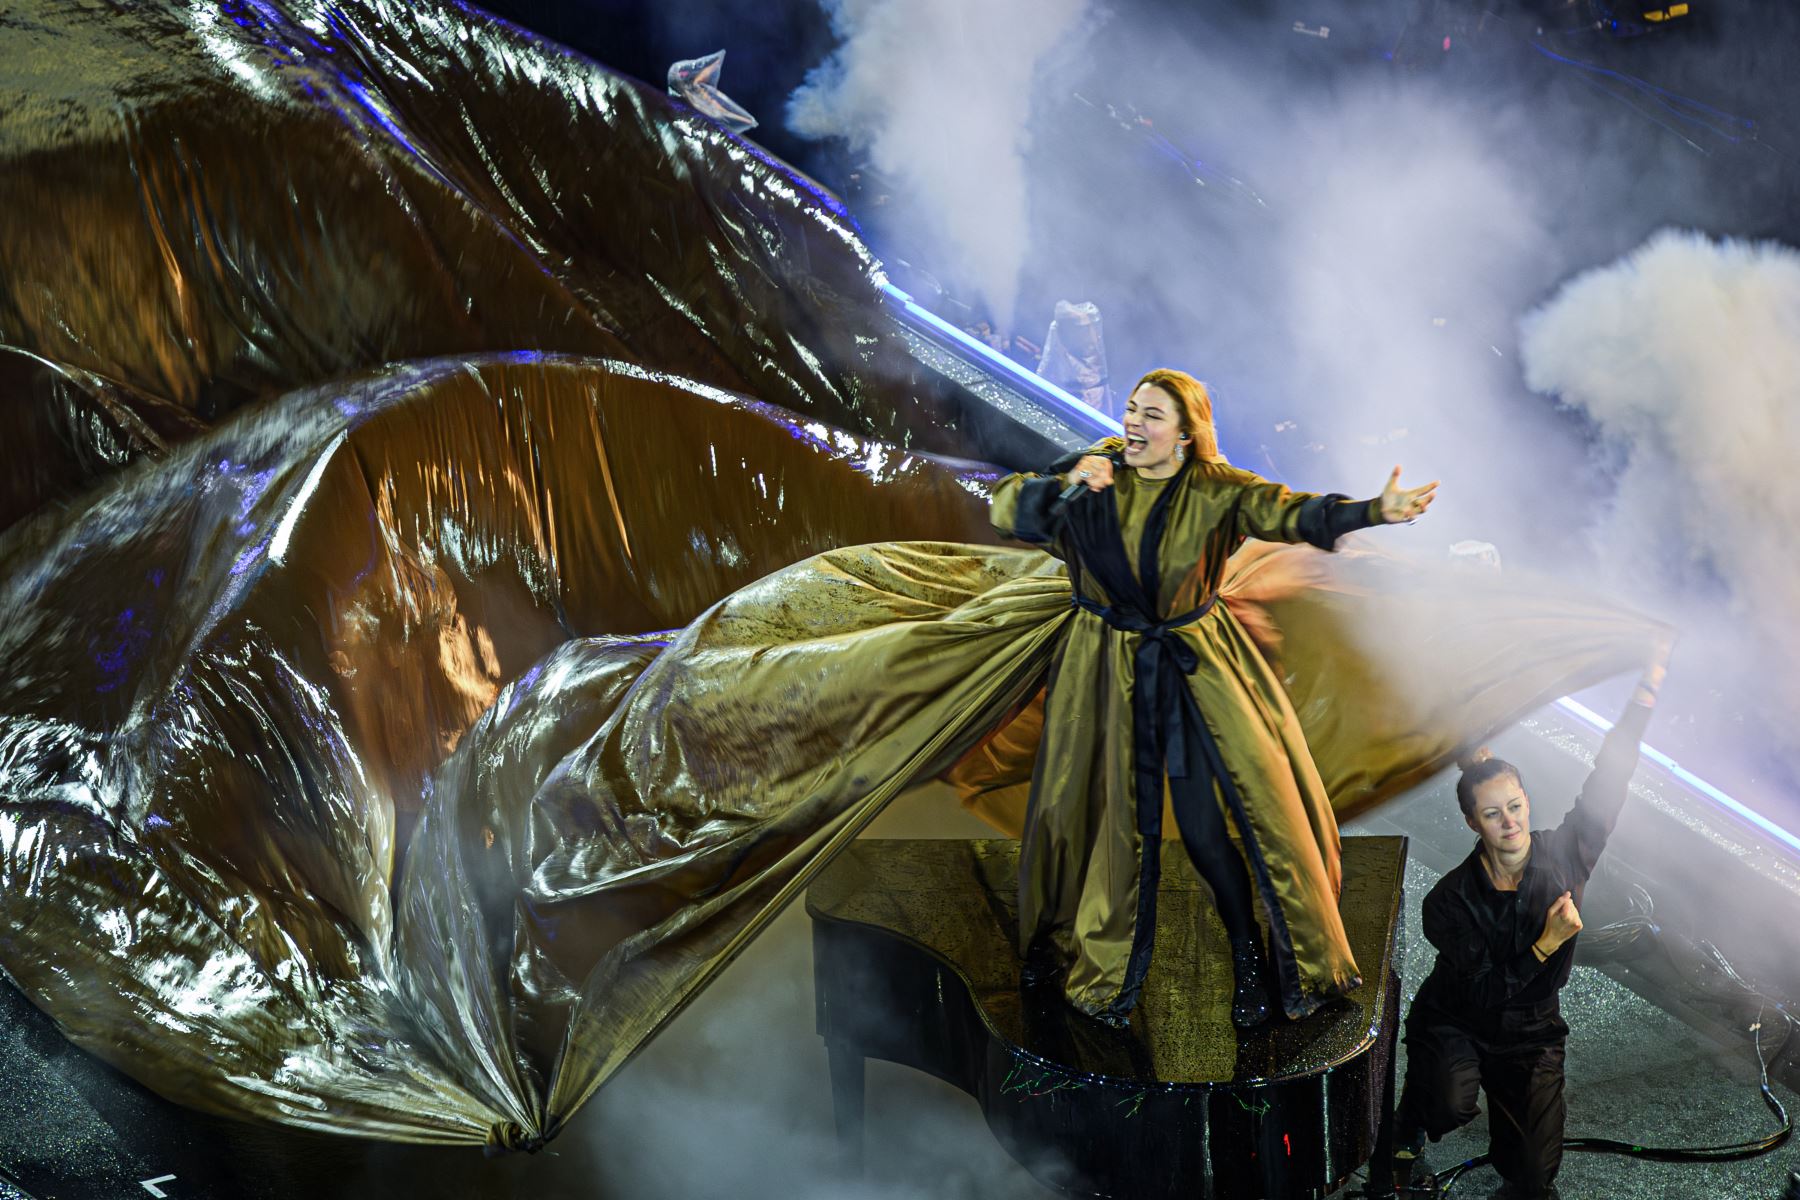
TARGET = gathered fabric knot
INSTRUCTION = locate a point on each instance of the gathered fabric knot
(1163, 657)
(509, 1137)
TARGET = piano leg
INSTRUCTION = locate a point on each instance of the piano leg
(847, 1098)
(1381, 1164)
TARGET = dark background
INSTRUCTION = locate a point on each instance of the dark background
(1724, 53)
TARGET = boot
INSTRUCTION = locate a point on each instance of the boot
(1412, 1175)
(1250, 998)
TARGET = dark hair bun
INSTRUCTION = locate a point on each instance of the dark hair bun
(1478, 755)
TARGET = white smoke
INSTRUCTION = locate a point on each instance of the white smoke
(939, 93)
(733, 1099)
(1405, 245)
(1370, 290)
(1686, 354)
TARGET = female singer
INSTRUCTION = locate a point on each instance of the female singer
(1157, 691)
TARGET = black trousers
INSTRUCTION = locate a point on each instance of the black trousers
(1517, 1060)
(1204, 836)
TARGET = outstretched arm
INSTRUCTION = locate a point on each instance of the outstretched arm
(1272, 512)
(1603, 795)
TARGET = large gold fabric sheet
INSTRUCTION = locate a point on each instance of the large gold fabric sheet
(415, 694)
(236, 673)
(212, 759)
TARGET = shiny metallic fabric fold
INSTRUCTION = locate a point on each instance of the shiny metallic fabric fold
(205, 211)
(235, 673)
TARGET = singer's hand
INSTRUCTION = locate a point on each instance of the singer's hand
(1405, 504)
(1093, 470)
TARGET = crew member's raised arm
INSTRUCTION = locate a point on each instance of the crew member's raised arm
(1596, 811)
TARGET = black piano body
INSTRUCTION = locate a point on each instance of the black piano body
(915, 963)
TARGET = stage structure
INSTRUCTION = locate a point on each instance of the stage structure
(915, 962)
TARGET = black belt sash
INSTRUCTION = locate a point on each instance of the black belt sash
(1162, 658)
(1165, 722)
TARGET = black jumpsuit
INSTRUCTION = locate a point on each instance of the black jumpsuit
(1488, 1014)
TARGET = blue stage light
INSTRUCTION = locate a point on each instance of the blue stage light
(1686, 777)
(1034, 383)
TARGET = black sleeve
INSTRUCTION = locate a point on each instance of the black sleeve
(1486, 981)
(1035, 519)
(1583, 835)
(1325, 519)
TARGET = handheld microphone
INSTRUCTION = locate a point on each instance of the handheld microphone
(1080, 485)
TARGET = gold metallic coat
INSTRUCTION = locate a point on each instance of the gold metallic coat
(324, 799)
(1079, 866)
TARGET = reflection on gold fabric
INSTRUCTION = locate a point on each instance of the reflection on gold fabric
(200, 213)
(243, 672)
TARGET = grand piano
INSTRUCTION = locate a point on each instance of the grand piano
(914, 963)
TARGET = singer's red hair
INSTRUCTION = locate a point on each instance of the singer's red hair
(1196, 409)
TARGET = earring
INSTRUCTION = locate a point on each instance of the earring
(1180, 454)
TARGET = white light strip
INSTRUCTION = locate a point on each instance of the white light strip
(1031, 379)
(1687, 777)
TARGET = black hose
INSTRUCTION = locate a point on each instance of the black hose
(1731, 1153)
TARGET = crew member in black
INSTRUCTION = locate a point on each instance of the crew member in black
(1504, 923)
